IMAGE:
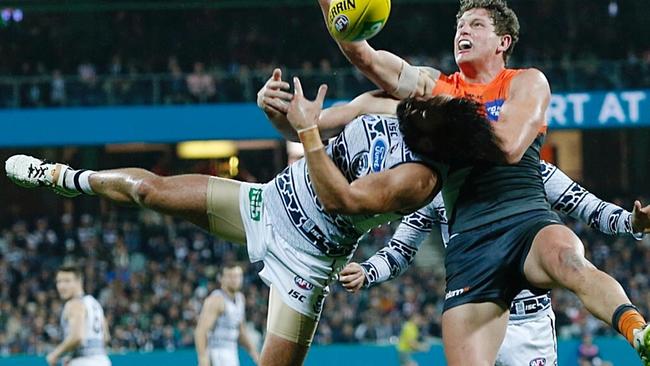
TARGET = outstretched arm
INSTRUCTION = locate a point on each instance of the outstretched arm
(388, 71)
(407, 186)
(572, 199)
(274, 100)
(395, 258)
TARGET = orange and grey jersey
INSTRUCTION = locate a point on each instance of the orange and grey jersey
(479, 194)
(369, 144)
(92, 341)
(225, 332)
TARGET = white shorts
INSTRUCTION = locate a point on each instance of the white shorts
(97, 360)
(530, 342)
(224, 357)
(300, 278)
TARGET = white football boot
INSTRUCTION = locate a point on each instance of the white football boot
(30, 172)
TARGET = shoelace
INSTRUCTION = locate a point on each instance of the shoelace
(36, 171)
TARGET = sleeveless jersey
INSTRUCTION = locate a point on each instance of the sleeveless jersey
(92, 342)
(225, 332)
(483, 193)
(369, 144)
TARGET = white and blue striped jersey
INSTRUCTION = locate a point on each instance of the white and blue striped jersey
(92, 341)
(225, 332)
(563, 194)
(369, 144)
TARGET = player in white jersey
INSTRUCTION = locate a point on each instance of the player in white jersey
(222, 323)
(530, 337)
(84, 327)
(303, 240)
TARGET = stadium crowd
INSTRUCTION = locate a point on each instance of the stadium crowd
(189, 56)
(151, 274)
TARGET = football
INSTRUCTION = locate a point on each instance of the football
(357, 20)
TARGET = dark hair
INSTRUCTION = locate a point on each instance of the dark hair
(72, 268)
(448, 130)
(504, 19)
(229, 266)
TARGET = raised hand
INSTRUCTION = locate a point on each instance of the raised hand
(272, 98)
(641, 218)
(304, 113)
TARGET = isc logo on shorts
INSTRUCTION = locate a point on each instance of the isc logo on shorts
(541, 361)
(303, 283)
(297, 295)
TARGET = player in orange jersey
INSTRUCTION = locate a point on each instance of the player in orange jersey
(504, 238)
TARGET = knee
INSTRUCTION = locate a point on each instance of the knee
(570, 260)
(146, 190)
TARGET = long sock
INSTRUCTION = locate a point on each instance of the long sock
(78, 180)
(626, 319)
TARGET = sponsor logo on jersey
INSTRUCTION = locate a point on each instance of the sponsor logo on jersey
(493, 108)
(541, 361)
(297, 295)
(378, 151)
(454, 293)
(359, 164)
(255, 199)
(303, 283)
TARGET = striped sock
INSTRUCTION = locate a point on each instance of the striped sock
(78, 180)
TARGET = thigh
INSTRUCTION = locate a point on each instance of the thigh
(223, 208)
(529, 343)
(555, 252)
(289, 334)
(472, 333)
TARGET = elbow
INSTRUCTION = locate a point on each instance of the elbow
(513, 157)
(340, 207)
(512, 153)
(334, 207)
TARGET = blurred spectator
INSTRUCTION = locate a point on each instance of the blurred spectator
(409, 340)
(200, 84)
(175, 89)
(57, 89)
(589, 353)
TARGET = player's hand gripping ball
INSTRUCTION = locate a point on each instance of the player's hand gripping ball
(357, 20)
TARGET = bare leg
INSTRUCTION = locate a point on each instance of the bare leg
(184, 196)
(288, 336)
(556, 259)
(472, 333)
(278, 351)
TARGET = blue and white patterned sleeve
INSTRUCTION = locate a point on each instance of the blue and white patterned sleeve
(572, 199)
(393, 259)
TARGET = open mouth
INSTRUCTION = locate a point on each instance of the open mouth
(464, 45)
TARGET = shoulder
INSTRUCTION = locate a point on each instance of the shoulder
(74, 306)
(214, 302)
(530, 77)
